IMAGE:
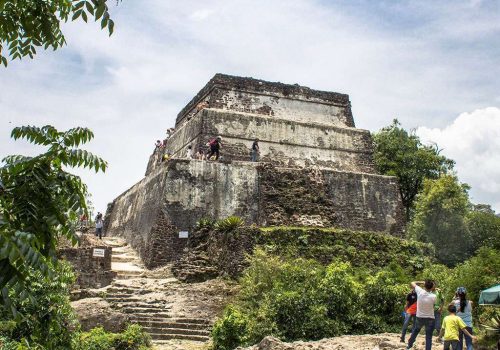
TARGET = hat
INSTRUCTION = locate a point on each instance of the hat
(461, 290)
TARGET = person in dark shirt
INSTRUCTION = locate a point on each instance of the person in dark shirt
(214, 145)
(410, 312)
(255, 150)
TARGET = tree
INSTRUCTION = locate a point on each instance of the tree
(440, 218)
(40, 203)
(484, 227)
(28, 24)
(401, 154)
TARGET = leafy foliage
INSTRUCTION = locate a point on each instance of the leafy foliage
(401, 154)
(302, 299)
(299, 299)
(484, 229)
(47, 318)
(40, 202)
(360, 248)
(28, 24)
(229, 224)
(205, 223)
(440, 219)
(133, 338)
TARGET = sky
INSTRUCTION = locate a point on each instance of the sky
(433, 65)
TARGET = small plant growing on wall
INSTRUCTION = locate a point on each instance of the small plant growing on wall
(229, 224)
(205, 223)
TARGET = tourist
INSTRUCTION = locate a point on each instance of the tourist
(452, 327)
(189, 152)
(83, 221)
(200, 155)
(464, 311)
(166, 157)
(410, 313)
(438, 308)
(98, 226)
(158, 146)
(425, 313)
(215, 145)
(255, 150)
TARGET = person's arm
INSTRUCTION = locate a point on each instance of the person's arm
(466, 332)
(416, 283)
(441, 333)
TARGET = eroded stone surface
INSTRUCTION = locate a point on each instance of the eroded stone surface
(315, 169)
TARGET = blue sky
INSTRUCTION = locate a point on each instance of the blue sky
(432, 64)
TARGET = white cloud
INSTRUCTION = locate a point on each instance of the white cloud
(473, 141)
(422, 62)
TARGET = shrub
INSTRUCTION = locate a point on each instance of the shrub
(205, 223)
(302, 299)
(229, 224)
(133, 338)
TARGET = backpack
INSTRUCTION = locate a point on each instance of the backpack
(212, 142)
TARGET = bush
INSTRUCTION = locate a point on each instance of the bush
(133, 338)
(45, 319)
(302, 299)
(205, 223)
(229, 224)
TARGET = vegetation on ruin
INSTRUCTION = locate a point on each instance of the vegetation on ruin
(401, 153)
(359, 248)
(26, 25)
(301, 299)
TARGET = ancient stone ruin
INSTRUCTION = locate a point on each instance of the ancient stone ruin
(315, 169)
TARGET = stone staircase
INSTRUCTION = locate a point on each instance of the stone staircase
(144, 299)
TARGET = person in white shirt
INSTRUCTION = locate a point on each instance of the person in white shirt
(425, 313)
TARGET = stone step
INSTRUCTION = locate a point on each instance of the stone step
(124, 258)
(144, 310)
(122, 299)
(145, 318)
(153, 314)
(172, 331)
(126, 277)
(114, 290)
(166, 324)
(128, 272)
(142, 305)
(200, 338)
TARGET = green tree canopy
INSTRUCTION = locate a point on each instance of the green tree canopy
(484, 227)
(40, 202)
(401, 154)
(28, 24)
(440, 218)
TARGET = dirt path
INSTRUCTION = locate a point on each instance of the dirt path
(386, 341)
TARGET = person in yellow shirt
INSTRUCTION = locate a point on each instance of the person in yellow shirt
(451, 327)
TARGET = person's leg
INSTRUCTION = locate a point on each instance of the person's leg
(446, 345)
(406, 322)
(217, 154)
(460, 340)
(429, 328)
(418, 326)
(437, 321)
(468, 340)
(454, 344)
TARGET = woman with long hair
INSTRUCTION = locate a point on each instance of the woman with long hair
(464, 311)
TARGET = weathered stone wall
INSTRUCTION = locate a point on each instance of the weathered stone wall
(211, 253)
(92, 272)
(282, 141)
(174, 197)
(134, 214)
(328, 198)
(295, 102)
(180, 192)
